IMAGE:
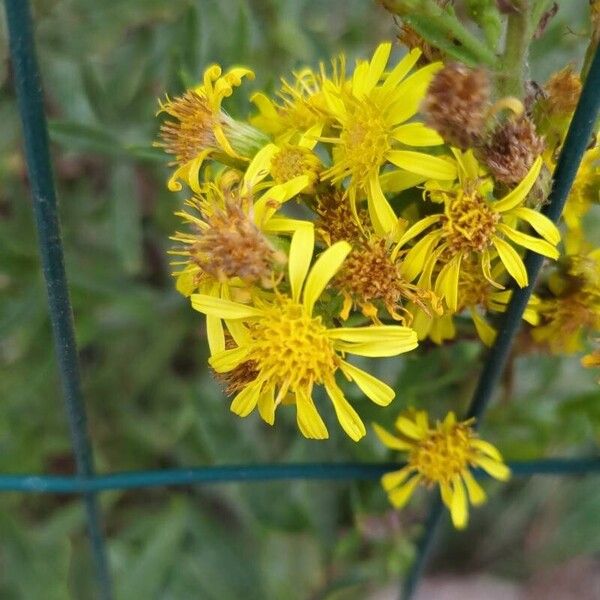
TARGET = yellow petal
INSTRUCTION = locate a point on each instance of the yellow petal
(409, 94)
(269, 202)
(417, 134)
(485, 331)
(260, 166)
(487, 448)
(475, 491)
(243, 404)
(409, 428)
(310, 137)
(309, 421)
(382, 215)
(496, 469)
(433, 167)
(391, 441)
(225, 309)
(517, 196)
(487, 270)
(531, 316)
(459, 508)
(285, 225)
(323, 270)
(512, 261)
(380, 347)
(541, 223)
(399, 180)
(215, 334)
(373, 333)
(416, 258)
(238, 332)
(264, 105)
(528, 241)
(226, 360)
(446, 492)
(373, 388)
(446, 285)
(377, 66)
(266, 405)
(391, 480)
(301, 251)
(400, 71)
(400, 496)
(416, 229)
(349, 420)
(186, 282)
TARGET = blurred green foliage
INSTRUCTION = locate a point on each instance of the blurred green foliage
(152, 403)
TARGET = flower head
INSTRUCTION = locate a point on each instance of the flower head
(199, 128)
(291, 349)
(224, 244)
(443, 455)
(474, 226)
(300, 106)
(572, 309)
(477, 297)
(456, 104)
(585, 191)
(370, 119)
(371, 279)
(511, 149)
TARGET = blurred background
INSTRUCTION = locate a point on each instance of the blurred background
(151, 401)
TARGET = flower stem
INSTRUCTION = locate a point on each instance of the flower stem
(510, 79)
(449, 31)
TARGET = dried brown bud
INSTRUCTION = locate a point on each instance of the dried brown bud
(233, 246)
(456, 104)
(563, 90)
(511, 149)
(225, 243)
(370, 277)
(336, 222)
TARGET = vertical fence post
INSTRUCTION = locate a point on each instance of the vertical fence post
(576, 142)
(30, 99)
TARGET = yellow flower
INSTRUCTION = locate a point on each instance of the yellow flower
(476, 227)
(292, 350)
(373, 131)
(477, 296)
(441, 455)
(228, 249)
(300, 107)
(371, 280)
(574, 308)
(585, 190)
(285, 161)
(202, 129)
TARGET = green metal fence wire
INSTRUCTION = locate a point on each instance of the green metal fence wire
(30, 98)
(86, 482)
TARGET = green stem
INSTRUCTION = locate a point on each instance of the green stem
(446, 25)
(510, 80)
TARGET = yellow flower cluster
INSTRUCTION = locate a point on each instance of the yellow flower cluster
(569, 303)
(337, 221)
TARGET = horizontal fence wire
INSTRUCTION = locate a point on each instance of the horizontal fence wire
(261, 473)
(579, 136)
(31, 107)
